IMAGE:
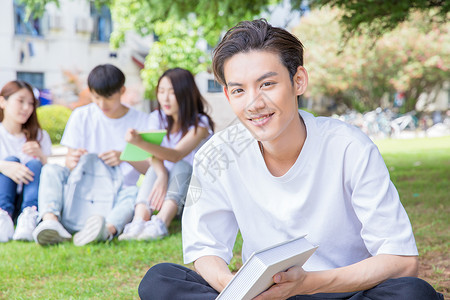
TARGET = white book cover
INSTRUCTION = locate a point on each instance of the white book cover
(255, 276)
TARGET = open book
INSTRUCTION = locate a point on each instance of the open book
(255, 276)
(134, 153)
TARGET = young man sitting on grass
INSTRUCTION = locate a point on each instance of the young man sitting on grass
(97, 129)
(283, 173)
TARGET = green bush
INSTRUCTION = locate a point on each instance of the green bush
(53, 119)
(310, 111)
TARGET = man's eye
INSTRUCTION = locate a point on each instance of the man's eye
(236, 91)
(265, 84)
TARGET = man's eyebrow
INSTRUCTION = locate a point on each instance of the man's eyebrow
(268, 74)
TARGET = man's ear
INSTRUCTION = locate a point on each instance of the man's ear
(225, 91)
(300, 80)
(122, 90)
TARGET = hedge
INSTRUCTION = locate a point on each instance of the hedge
(53, 119)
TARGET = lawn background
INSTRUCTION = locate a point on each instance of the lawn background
(420, 169)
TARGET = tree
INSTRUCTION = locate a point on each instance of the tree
(179, 26)
(180, 40)
(413, 58)
(377, 17)
(374, 17)
(142, 15)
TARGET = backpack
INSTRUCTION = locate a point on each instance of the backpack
(91, 189)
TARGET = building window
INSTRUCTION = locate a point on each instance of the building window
(30, 26)
(36, 79)
(214, 86)
(102, 23)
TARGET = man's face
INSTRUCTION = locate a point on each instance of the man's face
(261, 93)
(110, 106)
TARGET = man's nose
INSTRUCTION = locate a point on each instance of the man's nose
(257, 101)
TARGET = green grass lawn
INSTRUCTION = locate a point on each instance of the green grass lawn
(419, 168)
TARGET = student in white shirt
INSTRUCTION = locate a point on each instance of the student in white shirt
(281, 174)
(24, 148)
(182, 113)
(97, 128)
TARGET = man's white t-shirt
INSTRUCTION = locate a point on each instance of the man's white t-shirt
(11, 145)
(158, 122)
(338, 193)
(89, 128)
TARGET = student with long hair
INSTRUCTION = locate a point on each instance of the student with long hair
(181, 111)
(24, 148)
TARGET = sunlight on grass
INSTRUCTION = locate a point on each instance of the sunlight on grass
(413, 145)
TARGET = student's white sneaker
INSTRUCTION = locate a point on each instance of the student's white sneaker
(6, 227)
(50, 232)
(154, 229)
(94, 230)
(132, 230)
(26, 223)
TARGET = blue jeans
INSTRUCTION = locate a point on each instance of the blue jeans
(10, 199)
(51, 199)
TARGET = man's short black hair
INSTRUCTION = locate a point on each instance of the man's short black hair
(106, 80)
(260, 36)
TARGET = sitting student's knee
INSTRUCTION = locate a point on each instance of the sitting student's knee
(161, 270)
(415, 288)
(12, 158)
(420, 289)
(34, 164)
(152, 280)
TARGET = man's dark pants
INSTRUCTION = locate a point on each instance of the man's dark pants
(171, 281)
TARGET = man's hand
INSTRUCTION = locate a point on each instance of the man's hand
(287, 284)
(359, 276)
(18, 172)
(132, 136)
(158, 193)
(73, 157)
(111, 158)
(32, 149)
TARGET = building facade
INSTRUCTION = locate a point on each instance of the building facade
(56, 52)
